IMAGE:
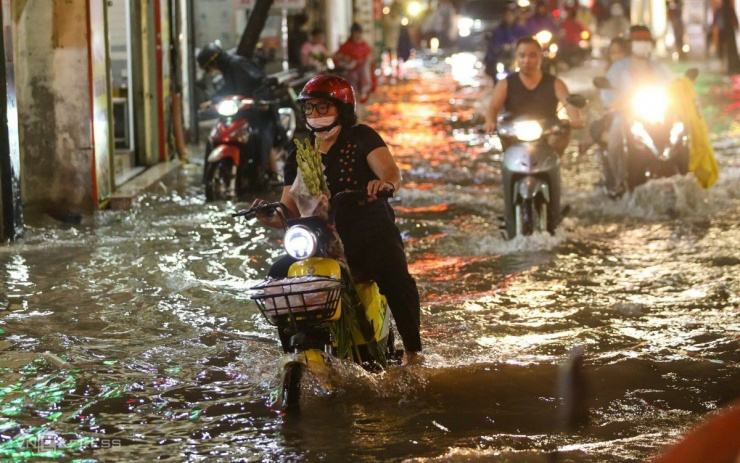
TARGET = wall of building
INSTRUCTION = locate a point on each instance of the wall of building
(54, 105)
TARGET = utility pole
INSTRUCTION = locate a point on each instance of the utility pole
(253, 29)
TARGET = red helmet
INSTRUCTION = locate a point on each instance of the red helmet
(329, 87)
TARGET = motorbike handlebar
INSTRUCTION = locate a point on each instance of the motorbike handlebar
(271, 208)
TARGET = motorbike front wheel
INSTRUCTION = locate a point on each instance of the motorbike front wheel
(291, 386)
(531, 216)
(218, 180)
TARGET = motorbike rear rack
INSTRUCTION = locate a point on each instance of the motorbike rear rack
(301, 302)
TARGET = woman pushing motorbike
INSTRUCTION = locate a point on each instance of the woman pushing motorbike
(354, 156)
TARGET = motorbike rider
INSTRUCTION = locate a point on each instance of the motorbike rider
(356, 157)
(243, 77)
(503, 38)
(619, 47)
(541, 20)
(571, 36)
(624, 76)
(534, 93)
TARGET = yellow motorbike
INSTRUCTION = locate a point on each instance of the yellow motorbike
(321, 313)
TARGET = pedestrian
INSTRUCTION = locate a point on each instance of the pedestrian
(355, 156)
(297, 36)
(355, 58)
(724, 27)
(533, 93)
(392, 28)
(313, 52)
(675, 16)
(617, 24)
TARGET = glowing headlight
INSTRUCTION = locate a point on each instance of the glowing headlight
(543, 37)
(300, 242)
(415, 8)
(527, 130)
(227, 108)
(464, 26)
(650, 104)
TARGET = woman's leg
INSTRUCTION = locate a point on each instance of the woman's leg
(384, 260)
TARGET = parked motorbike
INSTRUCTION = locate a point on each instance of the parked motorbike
(233, 165)
(324, 313)
(656, 140)
(531, 173)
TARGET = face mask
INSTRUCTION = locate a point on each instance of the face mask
(314, 123)
(642, 49)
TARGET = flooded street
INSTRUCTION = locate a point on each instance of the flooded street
(133, 337)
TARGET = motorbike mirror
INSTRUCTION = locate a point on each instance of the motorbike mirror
(602, 83)
(692, 73)
(579, 101)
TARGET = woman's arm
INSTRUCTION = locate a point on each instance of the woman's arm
(384, 166)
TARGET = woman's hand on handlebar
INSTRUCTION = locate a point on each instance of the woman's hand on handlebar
(268, 220)
(489, 127)
(374, 186)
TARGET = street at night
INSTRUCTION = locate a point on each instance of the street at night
(132, 336)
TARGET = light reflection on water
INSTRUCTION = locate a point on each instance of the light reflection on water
(151, 309)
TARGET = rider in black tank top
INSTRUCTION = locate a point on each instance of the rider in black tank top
(539, 103)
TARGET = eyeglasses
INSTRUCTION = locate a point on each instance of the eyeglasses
(321, 108)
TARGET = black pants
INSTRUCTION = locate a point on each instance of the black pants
(380, 257)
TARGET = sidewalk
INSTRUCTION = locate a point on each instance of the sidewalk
(128, 193)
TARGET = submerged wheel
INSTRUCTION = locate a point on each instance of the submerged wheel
(532, 216)
(218, 181)
(291, 387)
(525, 218)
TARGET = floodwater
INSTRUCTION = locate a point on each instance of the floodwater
(132, 337)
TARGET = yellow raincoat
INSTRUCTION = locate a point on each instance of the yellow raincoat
(701, 154)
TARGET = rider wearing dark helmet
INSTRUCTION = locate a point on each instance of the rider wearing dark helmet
(356, 157)
(242, 76)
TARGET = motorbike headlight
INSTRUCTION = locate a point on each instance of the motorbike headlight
(527, 130)
(650, 104)
(543, 37)
(227, 108)
(300, 242)
(464, 26)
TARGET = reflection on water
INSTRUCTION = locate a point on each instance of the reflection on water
(133, 337)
